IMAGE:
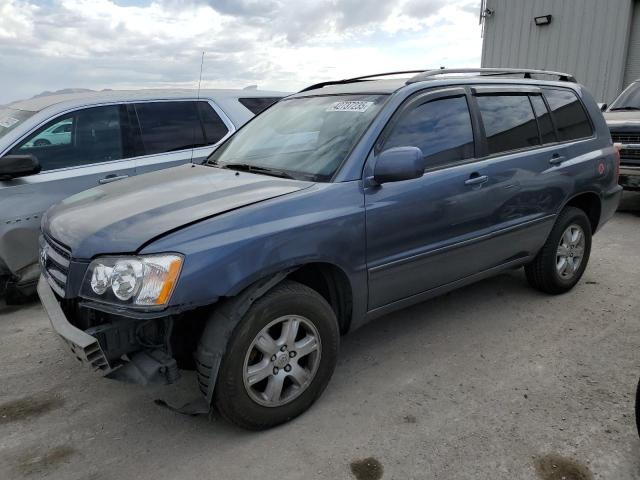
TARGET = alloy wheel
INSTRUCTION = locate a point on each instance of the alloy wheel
(570, 251)
(282, 361)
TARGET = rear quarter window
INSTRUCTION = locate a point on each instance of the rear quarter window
(214, 128)
(257, 104)
(571, 120)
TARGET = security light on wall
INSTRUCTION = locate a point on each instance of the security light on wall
(543, 20)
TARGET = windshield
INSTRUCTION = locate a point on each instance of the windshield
(629, 99)
(305, 138)
(11, 118)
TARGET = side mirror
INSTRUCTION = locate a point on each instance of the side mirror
(399, 163)
(14, 166)
(603, 106)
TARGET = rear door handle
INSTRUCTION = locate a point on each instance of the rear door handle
(476, 180)
(112, 178)
(556, 159)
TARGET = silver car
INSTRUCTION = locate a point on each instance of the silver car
(56, 146)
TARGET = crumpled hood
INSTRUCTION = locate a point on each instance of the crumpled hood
(122, 216)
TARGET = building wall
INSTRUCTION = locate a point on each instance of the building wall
(632, 69)
(586, 38)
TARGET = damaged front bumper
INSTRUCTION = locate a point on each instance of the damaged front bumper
(144, 366)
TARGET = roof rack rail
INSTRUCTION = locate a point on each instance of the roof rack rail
(357, 79)
(525, 72)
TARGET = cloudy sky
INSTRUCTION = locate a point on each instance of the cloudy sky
(276, 44)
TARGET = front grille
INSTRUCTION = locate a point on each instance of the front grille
(54, 261)
(627, 137)
(628, 156)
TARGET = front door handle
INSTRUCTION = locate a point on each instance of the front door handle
(556, 159)
(476, 180)
(112, 178)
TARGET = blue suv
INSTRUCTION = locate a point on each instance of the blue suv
(341, 203)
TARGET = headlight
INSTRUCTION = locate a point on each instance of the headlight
(146, 280)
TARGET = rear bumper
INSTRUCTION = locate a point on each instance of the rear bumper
(630, 178)
(83, 346)
(610, 202)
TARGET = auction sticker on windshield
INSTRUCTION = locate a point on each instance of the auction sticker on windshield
(349, 106)
(7, 122)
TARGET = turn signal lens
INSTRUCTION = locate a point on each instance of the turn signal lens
(160, 276)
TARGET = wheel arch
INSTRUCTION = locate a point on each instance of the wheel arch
(590, 203)
(333, 284)
(328, 279)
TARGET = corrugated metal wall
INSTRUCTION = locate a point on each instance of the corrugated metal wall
(587, 38)
(632, 71)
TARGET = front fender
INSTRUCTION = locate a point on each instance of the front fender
(226, 254)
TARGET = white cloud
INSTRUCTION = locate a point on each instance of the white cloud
(277, 44)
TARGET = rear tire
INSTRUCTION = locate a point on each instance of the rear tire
(270, 374)
(560, 263)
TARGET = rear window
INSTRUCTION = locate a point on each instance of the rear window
(569, 116)
(508, 121)
(169, 126)
(258, 104)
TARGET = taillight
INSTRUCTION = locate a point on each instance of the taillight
(616, 150)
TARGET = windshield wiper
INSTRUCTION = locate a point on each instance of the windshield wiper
(624, 108)
(245, 167)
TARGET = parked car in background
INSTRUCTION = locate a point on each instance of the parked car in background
(56, 134)
(54, 146)
(623, 119)
(339, 204)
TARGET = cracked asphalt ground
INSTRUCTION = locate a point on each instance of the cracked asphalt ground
(489, 382)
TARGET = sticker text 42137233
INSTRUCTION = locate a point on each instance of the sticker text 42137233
(350, 106)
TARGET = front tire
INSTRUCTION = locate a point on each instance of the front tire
(279, 359)
(563, 259)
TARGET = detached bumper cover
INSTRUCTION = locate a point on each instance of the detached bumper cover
(83, 346)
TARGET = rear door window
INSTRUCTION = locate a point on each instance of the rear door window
(258, 104)
(509, 122)
(169, 126)
(87, 136)
(440, 128)
(543, 116)
(569, 116)
(214, 128)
